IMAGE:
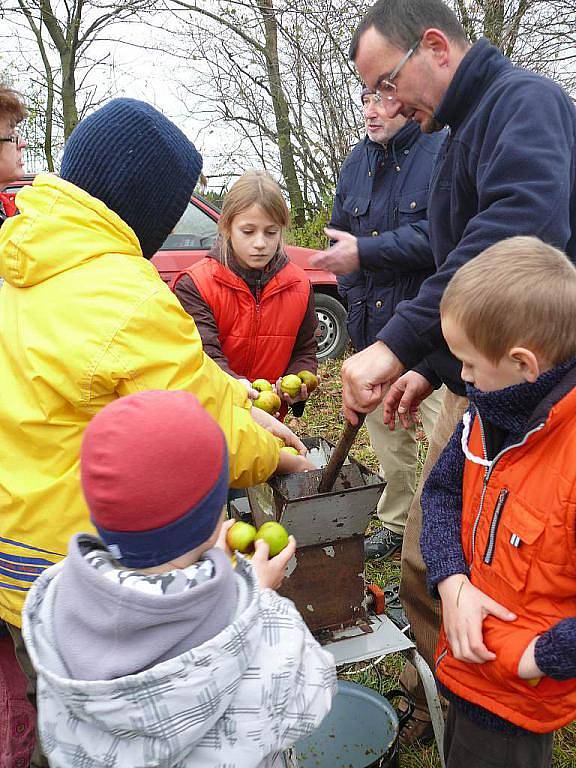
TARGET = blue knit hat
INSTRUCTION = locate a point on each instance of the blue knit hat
(138, 163)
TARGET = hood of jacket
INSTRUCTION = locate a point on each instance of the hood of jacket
(105, 630)
(36, 252)
(238, 699)
(123, 705)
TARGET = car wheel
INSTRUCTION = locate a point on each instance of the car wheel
(331, 333)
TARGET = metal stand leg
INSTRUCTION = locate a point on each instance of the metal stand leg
(432, 698)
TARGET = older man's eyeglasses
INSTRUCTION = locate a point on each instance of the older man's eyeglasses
(14, 139)
(385, 88)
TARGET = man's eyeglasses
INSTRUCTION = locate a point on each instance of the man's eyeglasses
(385, 89)
(14, 139)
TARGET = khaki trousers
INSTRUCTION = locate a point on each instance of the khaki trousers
(423, 611)
(397, 452)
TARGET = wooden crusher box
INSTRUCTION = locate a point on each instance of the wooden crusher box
(326, 578)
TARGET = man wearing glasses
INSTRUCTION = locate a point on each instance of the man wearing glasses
(501, 173)
(383, 185)
(12, 112)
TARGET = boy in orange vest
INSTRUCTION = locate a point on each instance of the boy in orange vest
(499, 508)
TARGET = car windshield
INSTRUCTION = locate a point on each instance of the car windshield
(194, 230)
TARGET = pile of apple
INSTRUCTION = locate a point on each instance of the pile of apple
(269, 401)
(242, 536)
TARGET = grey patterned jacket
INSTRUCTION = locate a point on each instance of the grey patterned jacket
(236, 701)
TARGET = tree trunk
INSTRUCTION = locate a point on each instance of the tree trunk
(281, 114)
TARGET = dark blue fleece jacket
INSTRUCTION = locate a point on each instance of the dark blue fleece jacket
(508, 168)
(507, 414)
(382, 188)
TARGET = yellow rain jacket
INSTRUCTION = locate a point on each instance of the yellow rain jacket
(84, 319)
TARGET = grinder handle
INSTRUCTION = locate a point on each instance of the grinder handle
(332, 469)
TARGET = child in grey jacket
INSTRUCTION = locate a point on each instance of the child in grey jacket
(150, 648)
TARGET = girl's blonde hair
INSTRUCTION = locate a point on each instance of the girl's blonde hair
(252, 188)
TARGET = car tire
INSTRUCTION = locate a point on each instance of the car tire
(331, 334)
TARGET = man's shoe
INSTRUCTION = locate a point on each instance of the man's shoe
(383, 544)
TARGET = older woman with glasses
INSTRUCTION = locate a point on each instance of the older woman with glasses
(12, 112)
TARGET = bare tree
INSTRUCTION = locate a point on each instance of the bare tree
(63, 32)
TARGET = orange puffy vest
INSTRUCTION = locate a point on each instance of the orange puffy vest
(518, 536)
(256, 337)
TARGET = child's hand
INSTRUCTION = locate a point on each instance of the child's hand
(278, 429)
(221, 541)
(252, 393)
(464, 608)
(527, 667)
(302, 395)
(271, 573)
(289, 463)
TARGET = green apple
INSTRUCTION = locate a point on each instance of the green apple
(275, 535)
(309, 379)
(268, 401)
(291, 384)
(241, 536)
(262, 385)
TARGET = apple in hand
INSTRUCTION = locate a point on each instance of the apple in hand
(268, 401)
(309, 379)
(275, 535)
(262, 385)
(291, 385)
(241, 536)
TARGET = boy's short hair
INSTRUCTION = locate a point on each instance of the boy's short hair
(518, 292)
(11, 104)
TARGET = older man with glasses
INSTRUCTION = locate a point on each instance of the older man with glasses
(383, 186)
(502, 172)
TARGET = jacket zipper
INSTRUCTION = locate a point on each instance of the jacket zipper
(489, 471)
(489, 554)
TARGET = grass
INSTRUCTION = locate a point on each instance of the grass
(323, 418)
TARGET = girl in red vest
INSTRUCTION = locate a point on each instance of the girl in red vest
(253, 307)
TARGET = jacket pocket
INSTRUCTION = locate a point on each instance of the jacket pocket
(515, 541)
(412, 207)
(356, 206)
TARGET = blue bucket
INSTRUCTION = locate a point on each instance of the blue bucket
(360, 731)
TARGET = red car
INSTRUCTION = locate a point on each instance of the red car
(193, 236)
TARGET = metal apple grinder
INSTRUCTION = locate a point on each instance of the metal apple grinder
(327, 510)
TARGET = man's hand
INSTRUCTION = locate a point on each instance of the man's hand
(464, 608)
(404, 397)
(364, 377)
(278, 429)
(340, 259)
(271, 572)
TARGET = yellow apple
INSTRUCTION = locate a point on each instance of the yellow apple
(262, 385)
(309, 379)
(268, 401)
(275, 535)
(241, 536)
(291, 384)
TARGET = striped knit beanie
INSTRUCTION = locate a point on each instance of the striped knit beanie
(138, 163)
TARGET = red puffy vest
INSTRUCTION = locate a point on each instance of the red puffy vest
(256, 337)
(518, 536)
